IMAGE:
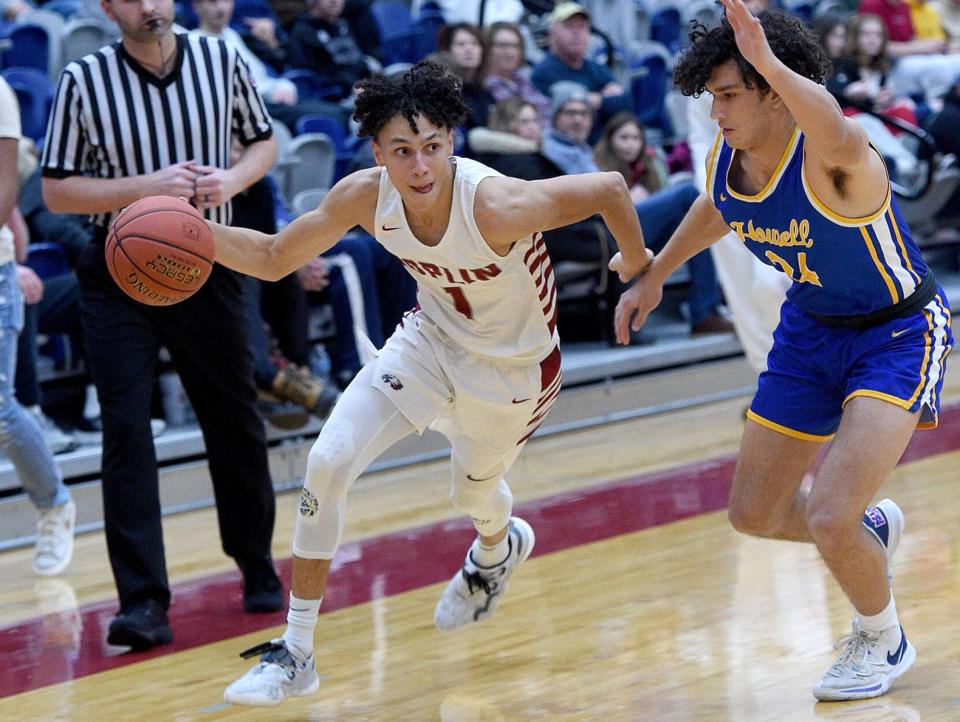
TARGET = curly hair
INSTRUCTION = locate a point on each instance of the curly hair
(426, 89)
(790, 40)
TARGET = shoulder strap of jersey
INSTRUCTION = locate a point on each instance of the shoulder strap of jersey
(717, 162)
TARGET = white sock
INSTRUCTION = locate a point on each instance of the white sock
(882, 621)
(484, 556)
(301, 621)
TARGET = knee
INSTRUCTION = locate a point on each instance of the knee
(830, 529)
(326, 471)
(467, 496)
(752, 519)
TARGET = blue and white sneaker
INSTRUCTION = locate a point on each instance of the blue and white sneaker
(475, 592)
(868, 665)
(281, 673)
(885, 522)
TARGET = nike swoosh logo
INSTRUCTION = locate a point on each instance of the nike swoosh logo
(894, 658)
(900, 332)
(487, 479)
(722, 197)
(520, 401)
(384, 228)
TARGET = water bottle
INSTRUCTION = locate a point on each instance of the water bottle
(320, 363)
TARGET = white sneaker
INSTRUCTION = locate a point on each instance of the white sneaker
(868, 665)
(54, 548)
(282, 673)
(475, 592)
(56, 439)
(885, 522)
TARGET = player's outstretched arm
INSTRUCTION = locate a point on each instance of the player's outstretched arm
(700, 228)
(836, 140)
(351, 202)
(507, 209)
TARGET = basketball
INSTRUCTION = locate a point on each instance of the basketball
(159, 250)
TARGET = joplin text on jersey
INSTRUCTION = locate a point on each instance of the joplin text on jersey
(458, 276)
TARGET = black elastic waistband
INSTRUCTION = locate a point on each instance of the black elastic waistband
(921, 296)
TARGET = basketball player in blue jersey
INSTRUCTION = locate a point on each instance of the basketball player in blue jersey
(859, 354)
(478, 359)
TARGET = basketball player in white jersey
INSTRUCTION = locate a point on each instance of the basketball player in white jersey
(477, 360)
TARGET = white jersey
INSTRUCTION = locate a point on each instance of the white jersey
(501, 307)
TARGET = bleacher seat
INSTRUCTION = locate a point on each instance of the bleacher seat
(35, 95)
(319, 123)
(651, 65)
(426, 26)
(84, 36)
(344, 144)
(63, 8)
(665, 28)
(54, 24)
(310, 84)
(397, 31)
(243, 9)
(706, 12)
(29, 48)
(306, 201)
(316, 158)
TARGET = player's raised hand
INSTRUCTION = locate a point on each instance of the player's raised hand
(751, 40)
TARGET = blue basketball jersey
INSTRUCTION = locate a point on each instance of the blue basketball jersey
(839, 266)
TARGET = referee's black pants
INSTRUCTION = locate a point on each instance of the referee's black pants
(208, 340)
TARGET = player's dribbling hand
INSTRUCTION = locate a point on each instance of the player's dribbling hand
(619, 266)
(635, 305)
(751, 40)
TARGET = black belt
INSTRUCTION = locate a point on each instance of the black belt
(921, 296)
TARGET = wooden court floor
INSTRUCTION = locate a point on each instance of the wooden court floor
(640, 603)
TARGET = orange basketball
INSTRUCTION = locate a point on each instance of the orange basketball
(159, 250)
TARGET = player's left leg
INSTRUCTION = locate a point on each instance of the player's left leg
(492, 424)
(503, 543)
(871, 438)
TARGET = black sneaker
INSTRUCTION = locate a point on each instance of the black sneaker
(262, 591)
(142, 626)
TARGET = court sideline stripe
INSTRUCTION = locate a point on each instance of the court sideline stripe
(208, 609)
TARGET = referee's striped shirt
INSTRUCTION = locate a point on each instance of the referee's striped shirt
(113, 118)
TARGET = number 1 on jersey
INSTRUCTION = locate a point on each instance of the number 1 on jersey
(459, 301)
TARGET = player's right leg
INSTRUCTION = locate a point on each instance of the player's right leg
(362, 425)
(766, 499)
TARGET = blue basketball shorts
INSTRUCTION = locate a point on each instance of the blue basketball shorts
(813, 369)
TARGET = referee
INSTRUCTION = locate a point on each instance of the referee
(153, 114)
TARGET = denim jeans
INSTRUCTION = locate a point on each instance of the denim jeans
(20, 437)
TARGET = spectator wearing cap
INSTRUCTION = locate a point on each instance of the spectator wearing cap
(569, 34)
(571, 114)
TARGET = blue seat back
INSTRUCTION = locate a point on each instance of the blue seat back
(35, 95)
(665, 27)
(397, 31)
(318, 123)
(649, 88)
(30, 47)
